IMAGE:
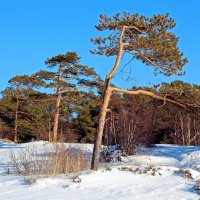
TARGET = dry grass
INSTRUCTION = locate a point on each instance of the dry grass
(58, 160)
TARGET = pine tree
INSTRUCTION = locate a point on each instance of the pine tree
(16, 94)
(149, 40)
(66, 75)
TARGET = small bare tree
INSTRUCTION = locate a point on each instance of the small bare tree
(146, 39)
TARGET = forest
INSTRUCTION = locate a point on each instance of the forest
(27, 113)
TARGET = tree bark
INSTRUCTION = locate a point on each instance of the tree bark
(56, 115)
(151, 94)
(15, 138)
(99, 133)
(106, 99)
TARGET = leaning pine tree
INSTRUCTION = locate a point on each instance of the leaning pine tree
(66, 75)
(146, 39)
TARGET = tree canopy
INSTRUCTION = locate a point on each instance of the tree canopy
(149, 40)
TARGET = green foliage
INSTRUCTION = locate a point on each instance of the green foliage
(32, 115)
(67, 73)
(25, 81)
(36, 110)
(146, 39)
(87, 107)
(188, 93)
(68, 59)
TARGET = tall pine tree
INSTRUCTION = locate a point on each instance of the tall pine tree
(66, 74)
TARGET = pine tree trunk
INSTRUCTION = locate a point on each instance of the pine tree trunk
(106, 99)
(16, 121)
(99, 133)
(56, 117)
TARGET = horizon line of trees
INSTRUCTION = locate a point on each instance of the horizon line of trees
(139, 119)
(28, 112)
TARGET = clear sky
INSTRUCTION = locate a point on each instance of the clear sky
(33, 30)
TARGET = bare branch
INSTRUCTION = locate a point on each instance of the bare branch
(151, 94)
(44, 99)
(136, 28)
(165, 101)
(73, 90)
(69, 79)
(119, 55)
(147, 59)
(130, 45)
(125, 65)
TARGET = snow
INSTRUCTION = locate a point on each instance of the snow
(156, 173)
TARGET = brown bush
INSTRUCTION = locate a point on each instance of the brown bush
(58, 160)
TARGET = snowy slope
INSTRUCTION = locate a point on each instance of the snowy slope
(133, 178)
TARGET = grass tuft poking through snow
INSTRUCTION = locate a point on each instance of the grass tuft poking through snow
(57, 160)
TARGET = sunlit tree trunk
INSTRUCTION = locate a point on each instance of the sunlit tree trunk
(106, 98)
(98, 138)
(56, 115)
(56, 118)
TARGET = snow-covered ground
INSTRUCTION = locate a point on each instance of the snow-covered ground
(159, 173)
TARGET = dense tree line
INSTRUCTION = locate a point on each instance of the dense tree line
(131, 120)
(139, 119)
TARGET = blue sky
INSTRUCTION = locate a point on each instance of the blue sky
(32, 31)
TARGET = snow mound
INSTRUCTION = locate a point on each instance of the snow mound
(165, 172)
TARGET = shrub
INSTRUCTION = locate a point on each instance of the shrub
(58, 160)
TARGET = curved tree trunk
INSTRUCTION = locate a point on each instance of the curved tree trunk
(106, 99)
(56, 117)
(99, 133)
